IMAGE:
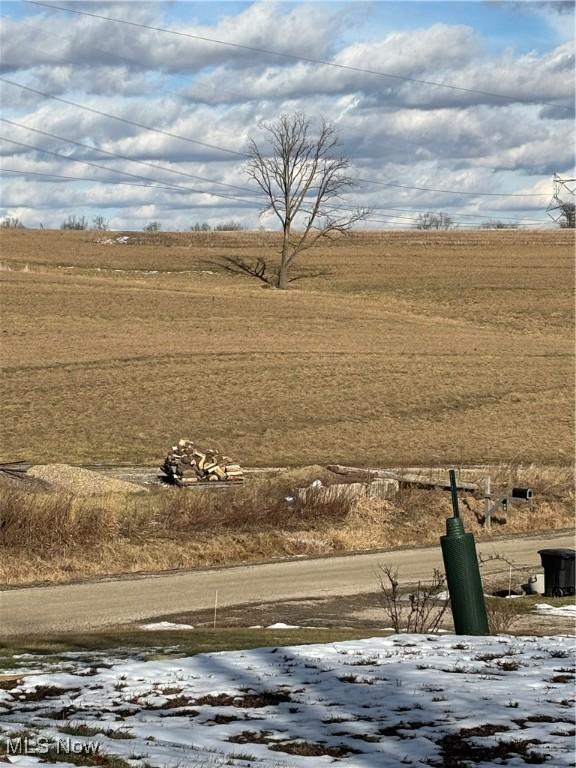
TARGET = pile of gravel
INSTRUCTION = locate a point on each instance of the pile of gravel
(79, 480)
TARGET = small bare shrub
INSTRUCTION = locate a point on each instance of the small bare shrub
(423, 612)
(502, 615)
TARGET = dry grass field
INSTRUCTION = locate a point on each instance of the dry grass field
(417, 348)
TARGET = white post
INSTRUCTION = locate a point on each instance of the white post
(487, 504)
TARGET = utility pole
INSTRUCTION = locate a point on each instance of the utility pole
(562, 208)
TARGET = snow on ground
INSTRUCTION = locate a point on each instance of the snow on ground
(559, 610)
(420, 700)
(155, 626)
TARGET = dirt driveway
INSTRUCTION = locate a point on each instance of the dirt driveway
(90, 605)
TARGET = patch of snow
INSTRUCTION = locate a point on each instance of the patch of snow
(160, 625)
(553, 610)
(281, 625)
(383, 701)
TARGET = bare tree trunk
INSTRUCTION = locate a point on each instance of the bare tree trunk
(282, 282)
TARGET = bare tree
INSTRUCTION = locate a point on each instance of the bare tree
(73, 223)
(11, 222)
(153, 226)
(99, 223)
(567, 215)
(434, 221)
(229, 226)
(498, 224)
(302, 179)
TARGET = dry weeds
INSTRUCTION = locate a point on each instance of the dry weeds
(54, 536)
(419, 348)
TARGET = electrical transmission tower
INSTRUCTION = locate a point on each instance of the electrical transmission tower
(562, 208)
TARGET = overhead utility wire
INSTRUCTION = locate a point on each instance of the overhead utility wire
(366, 181)
(484, 217)
(455, 191)
(52, 176)
(157, 184)
(55, 176)
(175, 187)
(244, 154)
(454, 213)
(295, 57)
(130, 159)
(122, 119)
(84, 178)
(127, 183)
(146, 186)
(214, 181)
(130, 60)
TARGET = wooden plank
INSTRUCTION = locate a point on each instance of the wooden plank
(404, 478)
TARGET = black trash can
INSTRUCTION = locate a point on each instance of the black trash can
(559, 576)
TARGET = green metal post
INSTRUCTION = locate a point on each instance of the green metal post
(463, 573)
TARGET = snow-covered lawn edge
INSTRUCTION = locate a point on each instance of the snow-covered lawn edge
(382, 702)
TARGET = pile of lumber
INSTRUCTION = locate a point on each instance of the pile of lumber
(187, 465)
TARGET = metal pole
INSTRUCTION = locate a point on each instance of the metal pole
(463, 574)
(454, 492)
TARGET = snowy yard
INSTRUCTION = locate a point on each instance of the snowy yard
(421, 700)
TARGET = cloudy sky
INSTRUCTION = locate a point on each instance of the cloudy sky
(136, 124)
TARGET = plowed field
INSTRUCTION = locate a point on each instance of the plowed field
(415, 348)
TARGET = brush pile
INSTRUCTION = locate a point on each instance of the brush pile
(187, 465)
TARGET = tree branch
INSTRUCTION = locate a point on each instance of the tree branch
(238, 266)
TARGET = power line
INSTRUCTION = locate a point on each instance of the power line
(148, 186)
(382, 218)
(175, 187)
(244, 154)
(53, 176)
(455, 213)
(295, 57)
(213, 181)
(124, 157)
(121, 119)
(130, 60)
(454, 191)
(225, 149)
(156, 184)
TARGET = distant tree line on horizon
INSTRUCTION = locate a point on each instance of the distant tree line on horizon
(425, 221)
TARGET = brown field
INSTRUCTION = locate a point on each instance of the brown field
(417, 348)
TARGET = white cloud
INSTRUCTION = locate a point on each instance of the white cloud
(390, 128)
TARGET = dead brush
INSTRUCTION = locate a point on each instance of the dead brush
(547, 481)
(40, 521)
(502, 615)
(422, 612)
(259, 506)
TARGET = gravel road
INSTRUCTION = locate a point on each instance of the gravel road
(92, 605)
